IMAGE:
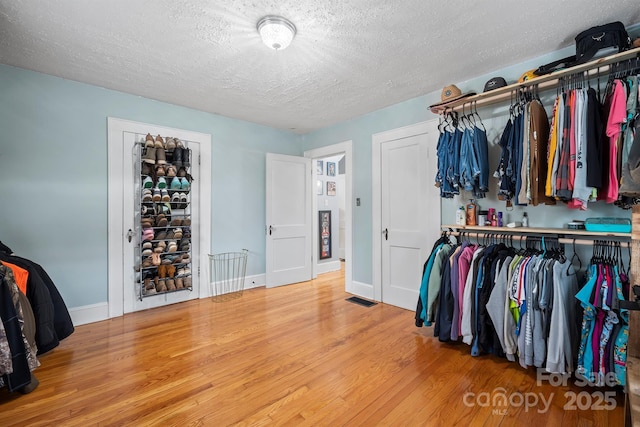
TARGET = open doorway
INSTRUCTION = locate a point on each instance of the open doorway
(332, 174)
(330, 202)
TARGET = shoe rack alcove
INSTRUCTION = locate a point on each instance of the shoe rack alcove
(164, 212)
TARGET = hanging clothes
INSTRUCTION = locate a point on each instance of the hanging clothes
(605, 326)
(538, 139)
(512, 303)
(463, 161)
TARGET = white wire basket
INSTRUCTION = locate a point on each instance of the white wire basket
(228, 270)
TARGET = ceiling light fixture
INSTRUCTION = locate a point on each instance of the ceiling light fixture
(276, 32)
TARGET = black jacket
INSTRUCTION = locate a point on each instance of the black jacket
(53, 322)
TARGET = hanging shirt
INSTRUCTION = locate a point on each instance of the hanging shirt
(581, 192)
(594, 140)
(617, 116)
(551, 150)
(563, 190)
(632, 105)
(538, 140)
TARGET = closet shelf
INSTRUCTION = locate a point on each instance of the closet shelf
(535, 230)
(548, 81)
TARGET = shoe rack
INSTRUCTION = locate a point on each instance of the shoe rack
(164, 212)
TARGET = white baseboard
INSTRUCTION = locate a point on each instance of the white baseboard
(89, 313)
(98, 312)
(360, 289)
(326, 267)
(255, 281)
(249, 282)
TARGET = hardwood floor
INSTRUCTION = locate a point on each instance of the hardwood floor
(297, 355)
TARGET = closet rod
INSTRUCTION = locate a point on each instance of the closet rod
(562, 240)
(537, 231)
(547, 81)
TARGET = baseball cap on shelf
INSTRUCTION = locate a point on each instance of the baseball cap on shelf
(451, 93)
(494, 83)
(527, 75)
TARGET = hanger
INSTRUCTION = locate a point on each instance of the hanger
(475, 113)
(574, 256)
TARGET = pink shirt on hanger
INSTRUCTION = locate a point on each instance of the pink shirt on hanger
(617, 116)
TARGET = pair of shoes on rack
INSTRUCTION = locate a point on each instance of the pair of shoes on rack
(160, 246)
(180, 183)
(160, 195)
(165, 271)
(147, 195)
(161, 285)
(177, 222)
(147, 182)
(170, 144)
(147, 169)
(165, 170)
(177, 233)
(147, 250)
(181, 157)
(161, 220)
(154, 156)
(147, 234)
(179, 201)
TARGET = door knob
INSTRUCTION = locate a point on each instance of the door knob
(386, 233)
(129, 235)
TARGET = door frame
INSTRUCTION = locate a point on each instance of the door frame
(376, 192)
(116, 232)
(345, 148)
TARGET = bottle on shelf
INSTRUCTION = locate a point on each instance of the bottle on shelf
(461, 217)
(525, 220)
(482, 218)
(471, 213)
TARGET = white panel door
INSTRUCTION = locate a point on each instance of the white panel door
(124, 180)
(288, 216)
(410, 207)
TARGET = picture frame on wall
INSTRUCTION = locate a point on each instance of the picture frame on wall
(331, 169)
(331, 188)
(324, 231)
(319, 167)
(319, 188)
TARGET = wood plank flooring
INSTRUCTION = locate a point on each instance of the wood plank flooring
(298, 355)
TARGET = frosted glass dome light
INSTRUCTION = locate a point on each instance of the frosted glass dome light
(276, 32)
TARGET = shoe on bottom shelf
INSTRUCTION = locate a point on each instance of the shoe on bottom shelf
(161, 286)
(171, 285)
(150, 291)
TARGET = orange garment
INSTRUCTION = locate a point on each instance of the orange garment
(20, 274)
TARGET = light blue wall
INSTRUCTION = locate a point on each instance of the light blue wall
(361, 129)
(53, 175)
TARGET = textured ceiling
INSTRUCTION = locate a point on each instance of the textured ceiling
(348, 58)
